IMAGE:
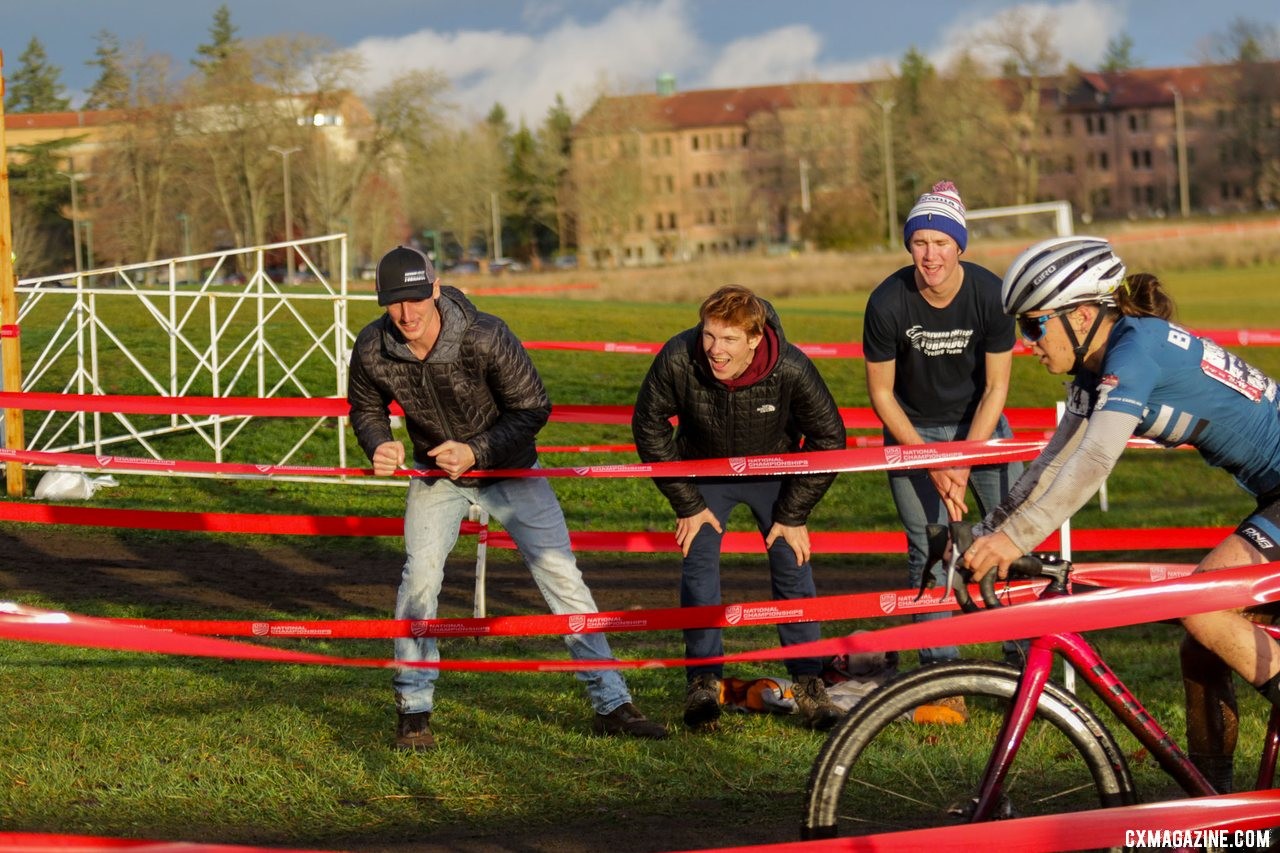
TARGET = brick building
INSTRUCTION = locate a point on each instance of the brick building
(677, 175)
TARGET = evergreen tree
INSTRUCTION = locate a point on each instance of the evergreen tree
(111, 90)
(35, 87)
(222, 43)
(1119, 54)
(916, 72)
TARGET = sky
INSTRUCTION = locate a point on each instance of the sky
(522, 53)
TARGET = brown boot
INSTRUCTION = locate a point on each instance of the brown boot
(413, 732)
(702, 702)
(815, 706)
(626, 719)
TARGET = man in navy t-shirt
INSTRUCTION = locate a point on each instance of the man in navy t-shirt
(938, 349)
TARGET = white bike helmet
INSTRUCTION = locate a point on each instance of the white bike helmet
(1062, 272)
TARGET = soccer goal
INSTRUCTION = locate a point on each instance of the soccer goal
(1032, 221)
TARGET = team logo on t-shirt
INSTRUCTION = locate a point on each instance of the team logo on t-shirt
(952, 342)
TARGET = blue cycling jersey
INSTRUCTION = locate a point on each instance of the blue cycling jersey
(1188, 390)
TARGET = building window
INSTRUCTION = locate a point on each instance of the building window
(657, 221)
(1139, 122)
(1140, 158)
(1095, 125)
(693, 140)
(671, 221)
(1066, 126)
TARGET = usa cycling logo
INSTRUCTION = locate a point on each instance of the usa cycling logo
(577, 622)
(261, 629)
(733, 614)
(888, 601)
(418, 627)
(738, 464)
(893, 455)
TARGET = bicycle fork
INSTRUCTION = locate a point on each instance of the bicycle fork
(1017, 718)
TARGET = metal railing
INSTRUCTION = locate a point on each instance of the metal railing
(220, 324)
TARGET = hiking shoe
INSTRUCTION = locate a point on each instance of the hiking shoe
(813, 703)
(413, 732)
(702, 702)
(947, 711)
(626, 719)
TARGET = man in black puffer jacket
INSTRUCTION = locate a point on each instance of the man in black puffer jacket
(471, 399)
(740, 389)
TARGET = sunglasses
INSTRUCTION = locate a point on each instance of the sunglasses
(1033, 328)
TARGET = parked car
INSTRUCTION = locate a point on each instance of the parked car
(566, 262)
(502, 265)
(463, 268)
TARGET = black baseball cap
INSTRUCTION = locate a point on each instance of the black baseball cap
(404, 273)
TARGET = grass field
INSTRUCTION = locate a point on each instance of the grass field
(131, 745)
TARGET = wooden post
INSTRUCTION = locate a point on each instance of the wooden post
(10, 344)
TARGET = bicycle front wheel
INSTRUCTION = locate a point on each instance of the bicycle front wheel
(880, 771)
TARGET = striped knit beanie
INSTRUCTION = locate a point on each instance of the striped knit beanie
(940, 210)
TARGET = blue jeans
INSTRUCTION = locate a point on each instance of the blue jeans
(700, 573)
(528, 509)
(919, 504)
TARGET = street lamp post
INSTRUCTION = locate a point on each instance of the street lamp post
(497, 225)
(288, 209)
(88, 243)
(886, 146)
(186, 242)
(804, 185)
(75, 210)
(1180, 135)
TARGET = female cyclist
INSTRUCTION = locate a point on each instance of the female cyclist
(1137, 373)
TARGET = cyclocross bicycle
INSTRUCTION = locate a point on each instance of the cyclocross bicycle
(877, 772)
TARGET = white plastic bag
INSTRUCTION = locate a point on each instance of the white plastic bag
(70, 486)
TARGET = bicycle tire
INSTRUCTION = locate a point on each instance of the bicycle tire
(879, 773)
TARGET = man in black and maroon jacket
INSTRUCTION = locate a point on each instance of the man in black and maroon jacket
(471, 399)
(740, 389)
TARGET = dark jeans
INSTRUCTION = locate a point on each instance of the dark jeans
(700, 573)
(919, 504)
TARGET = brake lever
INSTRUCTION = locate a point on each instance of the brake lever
(937, 537)
(961, 540)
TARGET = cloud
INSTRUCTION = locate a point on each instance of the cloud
(629, 45)
(778, 56)
(624, 51)
(1081, 29)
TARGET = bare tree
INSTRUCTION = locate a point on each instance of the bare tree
(1029, 57)
(454, 181)
(133, 181)
(1248, 85)
(605, 175)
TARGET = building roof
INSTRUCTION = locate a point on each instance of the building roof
(62, 121)
(1141, 88)
(720, 107)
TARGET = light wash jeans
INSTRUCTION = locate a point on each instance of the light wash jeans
(919, 504)
(700, 573)
(528, 509)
